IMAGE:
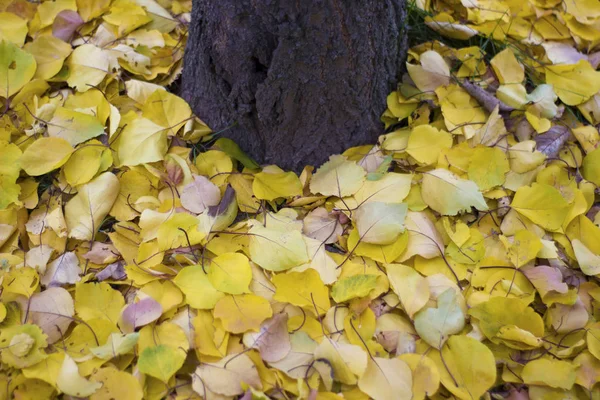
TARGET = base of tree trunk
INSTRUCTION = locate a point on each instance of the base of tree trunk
(294, 80)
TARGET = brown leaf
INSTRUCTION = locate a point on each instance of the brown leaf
(553, 140)
(102, 253)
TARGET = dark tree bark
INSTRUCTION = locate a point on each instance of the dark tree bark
(300, 79)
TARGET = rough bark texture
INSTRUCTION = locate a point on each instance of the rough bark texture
(303, 79)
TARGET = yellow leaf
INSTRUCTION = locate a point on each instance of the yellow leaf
(133, 185)
(467, 367)
(88, 65)
(47, 370)
(215, 165)
(410, 286)
(423, 237)
(524, 158)
(50, 54)
(435, 325)
(347, 360)
(17, 67)
(488, 167)
(426, 377)
(383, 254)
(45, 155)
(23, 345)
(380, 223)
(432, 73)
(591, 167)
(303, 289)
(542, 204)
(387, 379)
(13, 28)
(116, 345)
(75, 127)
(277, 250)
(471, 252)
(507, 68)
(447, 194)
(167, 110)
(126, 16)
(85, 163)
(271, 186)
(179, 230)
(553, 373)
(98, 300)
(463, 115)
(70, 382)
(241, 313)
(390, 188)
(85, 212)
(573, 83)
(161, 362)
(588, 261)
(209, 336)
(230, 273)
(524, 247)
(199, 292)
(165, 293)
(142, 141)
(20, 281)
(426, 142)
(354, 286)
(491, 131)
(500, 312)
(593, 341)
(337, 177)
(116, 385)
(166, 333)
(244, 193)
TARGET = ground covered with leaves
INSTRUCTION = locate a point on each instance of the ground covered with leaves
(144, 256)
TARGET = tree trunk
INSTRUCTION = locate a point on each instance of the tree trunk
(299, 79)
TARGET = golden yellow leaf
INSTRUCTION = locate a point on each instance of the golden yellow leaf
(270, 186)
(17, 67)
(84, 212)
(573, 83)
(467, 367)
(426, 142)
(303, 289)
(45, 155)
(241, 313)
